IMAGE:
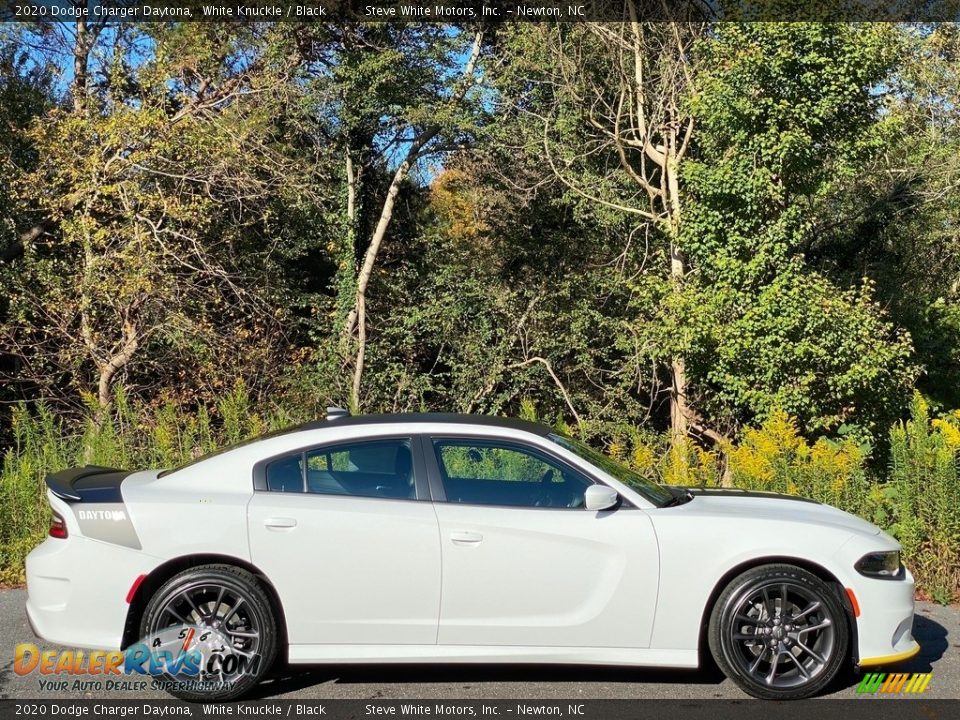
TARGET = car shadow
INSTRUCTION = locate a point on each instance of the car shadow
(932, 637)
(291, 678)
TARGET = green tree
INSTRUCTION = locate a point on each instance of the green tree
(787, 115)
(163, 192)
(26, 92)
(600, 108)
(389, 98)
(897, 223)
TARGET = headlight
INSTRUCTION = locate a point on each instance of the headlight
(884, 565)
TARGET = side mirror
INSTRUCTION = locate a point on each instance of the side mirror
(600, 497)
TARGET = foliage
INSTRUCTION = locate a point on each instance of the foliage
(827, 355)
(776, 457)
(786, 115)
(924, 487)
(916, 503)
(24, 95)
(752, 227)
(167, 216)
(898, 221)
(663, 459)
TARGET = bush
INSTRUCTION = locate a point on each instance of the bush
(777, 457)
(38, 448)
(924, 496)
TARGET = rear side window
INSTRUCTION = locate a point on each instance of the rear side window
(490, 473)
(286, 474)
(377, 468)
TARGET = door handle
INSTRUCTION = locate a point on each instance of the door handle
(462, 537)
(280, 522)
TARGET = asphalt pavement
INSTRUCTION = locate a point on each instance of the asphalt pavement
(937, 629)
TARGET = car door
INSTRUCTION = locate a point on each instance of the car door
(524, 563)
(348, 537)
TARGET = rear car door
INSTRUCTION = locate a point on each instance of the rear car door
(348, 537)
(524, 564)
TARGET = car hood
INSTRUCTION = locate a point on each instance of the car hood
(733, 503)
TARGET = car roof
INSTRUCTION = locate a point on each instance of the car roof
(411, 418)
(396, 418)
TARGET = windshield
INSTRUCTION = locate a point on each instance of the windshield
(656, 494)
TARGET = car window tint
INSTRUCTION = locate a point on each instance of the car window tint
(487, 473)
(286, 474)
(382, 468)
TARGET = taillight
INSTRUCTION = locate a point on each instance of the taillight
(58, 528)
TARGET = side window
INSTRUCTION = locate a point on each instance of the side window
(286, 474)
(490, 473)
(377, 468)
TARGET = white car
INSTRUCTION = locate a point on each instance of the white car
(460, 539)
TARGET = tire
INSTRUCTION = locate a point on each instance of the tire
(780, 611)
(219, 611)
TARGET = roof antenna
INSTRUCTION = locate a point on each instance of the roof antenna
(334, 412)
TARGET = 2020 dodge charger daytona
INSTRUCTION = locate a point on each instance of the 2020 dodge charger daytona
(466, 539)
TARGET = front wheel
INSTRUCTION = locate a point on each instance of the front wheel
(210, 630)
(779, 632)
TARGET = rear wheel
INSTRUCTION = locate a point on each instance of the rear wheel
(779, 632)
(217, 627)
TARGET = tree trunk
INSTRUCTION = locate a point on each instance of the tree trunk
(81, 54)
(346, 262)
(358, 316)
(109, 369)
(679, 409)
(107, 373)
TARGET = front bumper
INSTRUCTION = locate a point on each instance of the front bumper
(77, 589)
(885, 625)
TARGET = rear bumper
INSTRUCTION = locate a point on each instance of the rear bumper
(71, 600)
(885, 625)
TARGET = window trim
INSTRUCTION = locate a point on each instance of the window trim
(435, 475)
(420, 482)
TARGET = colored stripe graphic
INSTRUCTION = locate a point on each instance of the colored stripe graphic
(871, 682)
(893, 684)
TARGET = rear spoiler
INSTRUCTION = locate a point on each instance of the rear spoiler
(90, 483)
